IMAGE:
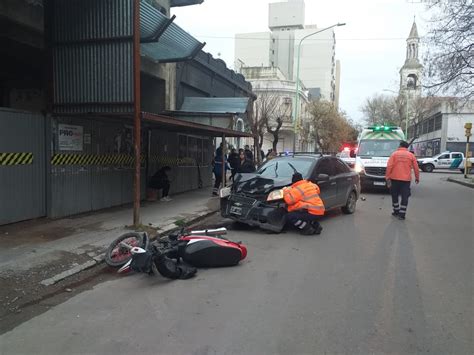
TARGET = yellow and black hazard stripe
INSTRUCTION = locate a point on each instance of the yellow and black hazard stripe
(16, 158)
(115, 159)
(94, 159)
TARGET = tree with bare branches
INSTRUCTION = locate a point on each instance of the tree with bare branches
(392, 110)
(449, 57)
(281, 112)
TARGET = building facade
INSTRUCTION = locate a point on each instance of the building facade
(66, 109)
(279, 48)
(443, 128)
(276, 96)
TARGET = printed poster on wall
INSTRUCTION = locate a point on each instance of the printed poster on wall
(70, 137)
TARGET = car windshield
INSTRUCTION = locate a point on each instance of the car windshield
(377, 147)
(285, 168)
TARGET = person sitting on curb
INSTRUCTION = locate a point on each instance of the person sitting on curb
(304, 205)
(160, 181)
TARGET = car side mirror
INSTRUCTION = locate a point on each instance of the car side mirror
(322, 177)
(352, 153)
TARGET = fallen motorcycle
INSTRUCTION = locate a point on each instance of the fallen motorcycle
(178, 255)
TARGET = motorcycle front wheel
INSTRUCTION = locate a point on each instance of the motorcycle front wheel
(118, 254)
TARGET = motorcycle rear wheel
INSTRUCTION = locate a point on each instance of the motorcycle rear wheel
(117, 255)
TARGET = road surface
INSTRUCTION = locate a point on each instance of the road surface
(368, 284)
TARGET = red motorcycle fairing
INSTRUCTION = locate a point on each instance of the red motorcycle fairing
(204, 251)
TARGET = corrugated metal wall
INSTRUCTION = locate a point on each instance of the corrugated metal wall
(164, 151)
(92, 56)
(104, 176)
(22, 166)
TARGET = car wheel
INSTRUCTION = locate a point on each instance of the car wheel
(429, 168)
(350, 206)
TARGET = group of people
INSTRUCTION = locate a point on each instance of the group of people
(240, 161)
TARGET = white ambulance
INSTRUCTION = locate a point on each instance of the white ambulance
(375, 145)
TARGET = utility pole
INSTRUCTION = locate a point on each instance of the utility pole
(467, 161)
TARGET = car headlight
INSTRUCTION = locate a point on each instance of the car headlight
(275, 195)
(359, 168)
(224, 192)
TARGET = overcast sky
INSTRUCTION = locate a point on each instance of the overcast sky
(371, 47)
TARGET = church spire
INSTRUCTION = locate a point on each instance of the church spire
(410, 73)
(414, 30)
(413, 42)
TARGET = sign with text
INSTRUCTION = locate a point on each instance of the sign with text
(70, 137)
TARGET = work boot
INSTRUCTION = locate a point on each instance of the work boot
(401, 217)
(318, 230)
(395, 213)
(308, 230)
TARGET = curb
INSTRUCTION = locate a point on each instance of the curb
(460, 182)
(98, 258)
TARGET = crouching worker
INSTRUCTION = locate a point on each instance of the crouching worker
(304, 205)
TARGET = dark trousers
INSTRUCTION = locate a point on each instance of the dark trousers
(165, 186)
(218, 181)
(302, 220)
(400, 188)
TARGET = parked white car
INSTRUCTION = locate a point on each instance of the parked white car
(445, 160)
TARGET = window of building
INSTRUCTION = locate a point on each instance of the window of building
(424, 127)
(438, 122)
(431, 124)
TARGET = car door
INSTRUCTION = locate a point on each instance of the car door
(456, 160)
(443, 161)
(328, 188)
(344, 180)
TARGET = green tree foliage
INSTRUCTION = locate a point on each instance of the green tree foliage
(330, 128)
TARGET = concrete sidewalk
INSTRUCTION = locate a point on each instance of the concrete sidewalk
(460, 179)
(27, 244)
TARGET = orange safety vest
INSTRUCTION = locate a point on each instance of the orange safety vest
(304, 195)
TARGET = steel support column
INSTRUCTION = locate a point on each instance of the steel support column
(137, 111)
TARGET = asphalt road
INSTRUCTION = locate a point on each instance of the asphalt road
(368, 284)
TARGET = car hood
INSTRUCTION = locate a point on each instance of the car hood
(254, 184)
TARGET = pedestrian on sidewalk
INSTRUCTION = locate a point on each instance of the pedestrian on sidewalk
(398, 176)
(248, 153)
(161, 181)
(233, 162)
(304, 205)
(217, 169)
(245, 164)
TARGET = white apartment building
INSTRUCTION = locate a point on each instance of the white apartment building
(279, 48)
(269, 83)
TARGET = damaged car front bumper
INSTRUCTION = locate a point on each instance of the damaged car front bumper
(251, 211)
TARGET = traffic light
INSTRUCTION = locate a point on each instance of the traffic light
(468, 127)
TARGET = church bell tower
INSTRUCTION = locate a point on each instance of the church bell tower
(410, 73)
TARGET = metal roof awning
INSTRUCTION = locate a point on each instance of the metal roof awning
(177, 125)
(162, 40)
(215, 105)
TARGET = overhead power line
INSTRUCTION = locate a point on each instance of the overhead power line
(310, 39)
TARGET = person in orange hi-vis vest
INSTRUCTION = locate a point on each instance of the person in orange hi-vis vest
(304, 205)
(398, 177)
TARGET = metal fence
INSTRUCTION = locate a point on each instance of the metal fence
(22, 166)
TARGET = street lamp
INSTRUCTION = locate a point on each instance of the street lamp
(406, 120)
(295, 109)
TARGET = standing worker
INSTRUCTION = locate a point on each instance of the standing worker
(398, 178)
(217, 169)
(304, 205)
